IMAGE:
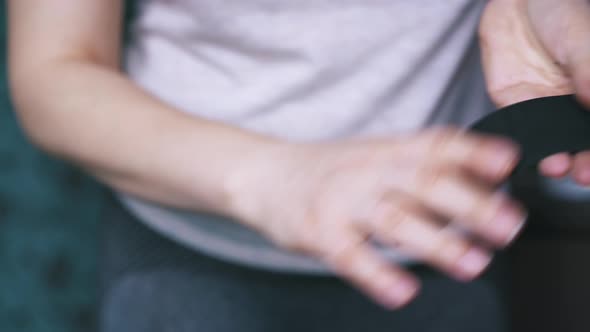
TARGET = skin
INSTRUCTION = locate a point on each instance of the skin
(324, 199)
(539, 48)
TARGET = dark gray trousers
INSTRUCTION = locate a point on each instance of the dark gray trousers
(149, 283)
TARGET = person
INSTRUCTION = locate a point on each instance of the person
(270, 158)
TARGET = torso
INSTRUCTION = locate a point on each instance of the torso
(304, 70)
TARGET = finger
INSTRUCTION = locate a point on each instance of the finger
(581, 169)
(557, 165)
(578, 48)
(353, 259)
(581, 77)
(490, 157)
(455, 196)
(400, 223)
(563, 28)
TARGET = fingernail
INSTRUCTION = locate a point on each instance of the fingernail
(474, 262)
(401, 292)
(517, 230)
(507, 224)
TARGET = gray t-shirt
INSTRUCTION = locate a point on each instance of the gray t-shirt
(303, 70)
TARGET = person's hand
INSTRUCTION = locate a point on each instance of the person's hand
(328, 200)
(539, 48)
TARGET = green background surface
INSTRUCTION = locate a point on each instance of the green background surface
(48, 217)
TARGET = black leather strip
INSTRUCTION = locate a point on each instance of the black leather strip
(542, 127)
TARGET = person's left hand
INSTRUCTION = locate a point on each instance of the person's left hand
(539, 48)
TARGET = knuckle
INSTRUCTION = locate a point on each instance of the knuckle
(455, 144)
(364, 271)
(480, 209)
(430, 140)
(303, 236)
(398, 214)
(448, 249)
(341, 261)
(344, 254)
(444, 134)
(477, 205)
(428, 178)
(309, 240)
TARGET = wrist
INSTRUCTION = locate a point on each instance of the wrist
(251, 183)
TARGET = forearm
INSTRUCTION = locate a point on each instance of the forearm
(94, 116)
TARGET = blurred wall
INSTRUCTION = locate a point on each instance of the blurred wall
(48, 213)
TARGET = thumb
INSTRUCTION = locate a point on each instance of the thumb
(578, 52)
(580, 73)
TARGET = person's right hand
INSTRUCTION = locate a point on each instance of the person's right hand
(328, 199)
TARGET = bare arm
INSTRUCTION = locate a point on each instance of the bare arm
(74, 102)
(321, 199)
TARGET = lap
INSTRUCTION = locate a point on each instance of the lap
(160, 286)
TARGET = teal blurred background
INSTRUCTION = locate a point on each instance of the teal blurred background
(48, 218)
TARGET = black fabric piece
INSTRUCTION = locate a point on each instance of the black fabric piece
(542, 127)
